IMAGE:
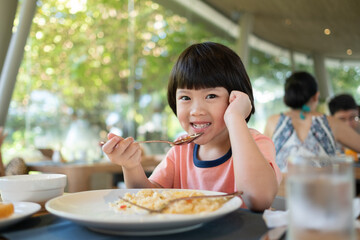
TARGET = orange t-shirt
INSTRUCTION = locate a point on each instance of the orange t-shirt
(182, 170)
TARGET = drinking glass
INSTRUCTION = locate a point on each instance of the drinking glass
(320, 192)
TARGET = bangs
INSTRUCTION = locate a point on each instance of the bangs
(203, 66)
(199, 75)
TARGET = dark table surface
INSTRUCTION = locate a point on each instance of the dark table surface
(241, 224)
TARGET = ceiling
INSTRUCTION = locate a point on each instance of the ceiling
(299, 24)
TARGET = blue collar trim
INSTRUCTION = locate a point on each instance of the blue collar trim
(212, 163)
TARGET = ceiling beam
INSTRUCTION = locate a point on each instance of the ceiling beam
(200, 12)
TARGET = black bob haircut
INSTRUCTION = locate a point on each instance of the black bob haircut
(209, 65)
(299, 88)
(342, 102)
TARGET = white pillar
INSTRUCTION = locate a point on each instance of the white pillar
(14, 57)
(131, 126)
(242, 43)
(7, 15)
(292, 61)
(322, 76)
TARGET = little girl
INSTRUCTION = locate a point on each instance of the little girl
(210, 92)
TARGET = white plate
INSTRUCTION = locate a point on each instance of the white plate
(22, 210)
(91, 209)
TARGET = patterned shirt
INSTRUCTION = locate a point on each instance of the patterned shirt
(319, 141)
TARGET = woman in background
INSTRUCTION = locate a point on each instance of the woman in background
(302, 130)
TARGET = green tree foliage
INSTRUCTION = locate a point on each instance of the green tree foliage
(346, 79)
(100, 57)
(84, 54)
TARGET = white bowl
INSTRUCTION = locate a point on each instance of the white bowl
(32, 188)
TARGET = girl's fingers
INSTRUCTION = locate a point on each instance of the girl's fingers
(111, 144)
(121, 145)
(122, 151)
(231, 97)
(111, 135)
(124, 146)
(127, 152)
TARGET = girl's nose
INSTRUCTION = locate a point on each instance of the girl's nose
(197, 109)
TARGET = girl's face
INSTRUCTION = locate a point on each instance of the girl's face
(203, 111)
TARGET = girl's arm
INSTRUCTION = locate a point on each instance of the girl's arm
(127, 153)
(253, 173)
(344, 134)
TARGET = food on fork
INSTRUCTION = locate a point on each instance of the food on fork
(6, 210)
(154, 199)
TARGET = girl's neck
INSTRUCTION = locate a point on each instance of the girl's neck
(213, 150)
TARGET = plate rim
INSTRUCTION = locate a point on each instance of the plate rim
(16, 216)
(170, 219)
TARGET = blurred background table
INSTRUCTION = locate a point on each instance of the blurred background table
(79, 174)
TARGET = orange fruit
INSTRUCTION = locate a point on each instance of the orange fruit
(6, 210)
(353, 154)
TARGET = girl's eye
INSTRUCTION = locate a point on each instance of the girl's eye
(210, 96)
(184, 98)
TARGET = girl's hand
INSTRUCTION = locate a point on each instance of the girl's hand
(239, 105)
(124, 152)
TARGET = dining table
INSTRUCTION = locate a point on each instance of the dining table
(239, 224)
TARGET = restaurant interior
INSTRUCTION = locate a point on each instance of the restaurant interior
(72, 71)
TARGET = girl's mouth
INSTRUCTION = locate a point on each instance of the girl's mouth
(200, 126)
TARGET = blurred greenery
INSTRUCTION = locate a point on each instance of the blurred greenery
(87, 52)
(346, 79)
(91, 59)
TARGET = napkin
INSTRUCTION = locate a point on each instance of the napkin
(277, 218)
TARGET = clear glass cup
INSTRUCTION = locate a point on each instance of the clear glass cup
(320, 192)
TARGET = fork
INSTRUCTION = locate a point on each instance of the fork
(160, 210)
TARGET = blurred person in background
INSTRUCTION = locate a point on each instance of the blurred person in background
(302, 130)
(344, 108)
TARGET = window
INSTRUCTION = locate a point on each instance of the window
(91, 67)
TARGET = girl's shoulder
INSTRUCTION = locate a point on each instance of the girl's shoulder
(257, 134)
(254, 132)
